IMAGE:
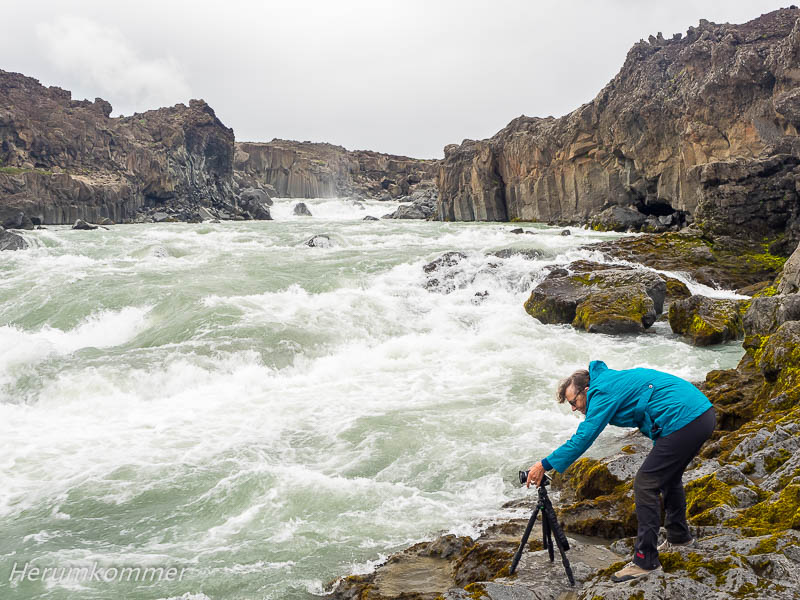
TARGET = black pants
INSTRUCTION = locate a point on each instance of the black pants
(661, 472)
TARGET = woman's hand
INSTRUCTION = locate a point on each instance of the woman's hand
(535, 475)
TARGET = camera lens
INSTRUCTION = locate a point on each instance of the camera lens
(523, 477)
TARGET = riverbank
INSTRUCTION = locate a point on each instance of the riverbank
(743, 491)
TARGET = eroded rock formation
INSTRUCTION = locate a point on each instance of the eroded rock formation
(64, 159)
(701, 126)
(311, 170)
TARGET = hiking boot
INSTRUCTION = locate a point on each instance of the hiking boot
(667, 546)
(631, 571)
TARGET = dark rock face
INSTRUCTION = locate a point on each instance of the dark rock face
(61, 160)
(11, 241)
(309, 170)
(599, 298)
(706, 321)
(701, 126)
(618, 218)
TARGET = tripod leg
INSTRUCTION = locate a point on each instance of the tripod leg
(524, 541)
(564, 560)
(547, 536)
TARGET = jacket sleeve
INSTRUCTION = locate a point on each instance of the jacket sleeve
(603, 409)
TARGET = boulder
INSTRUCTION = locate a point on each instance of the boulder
(11, 241)
(706, 321)
(766, 314)
(256, 202)
(618, 218)
(556, 299)
(81, 224)
(319, 241)
(625, 309)
(301, 210)
(14, 218)
(370, 218)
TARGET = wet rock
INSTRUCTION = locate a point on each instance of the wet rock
(558, 297)
(11, 241)
(517, 231)
(81, 224)
(566, 232)
(781, 353)
(319, 241)
(443, 274)
(732, 262)
(626, 309)
(370, 218)
(527, 253)
(162, 217)
(301, 210)
(14, 218)
(423, 206)
(618, 218)
(705, 321)
(256, 202)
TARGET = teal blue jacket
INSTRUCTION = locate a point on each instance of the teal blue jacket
(655, 402)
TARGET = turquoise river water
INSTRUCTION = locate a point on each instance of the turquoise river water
(263, 416)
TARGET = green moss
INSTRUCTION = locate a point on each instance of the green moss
(693, 563)
(611, 569)
(771, 517)
(629, 449)
(587, 479)
(767, 545)
(773, 463)
(705, 494)
(476, 591)
(770, 290)
(19, 171)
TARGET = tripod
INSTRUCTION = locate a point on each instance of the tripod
(550, 528)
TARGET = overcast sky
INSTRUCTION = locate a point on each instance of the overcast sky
(404, 77)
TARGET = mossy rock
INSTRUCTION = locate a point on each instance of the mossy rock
(556, 299)
(707, 321)
(676, 289)
(719, 262)
(621, 310)
(594, 502)
(777, 514)
(585, 479)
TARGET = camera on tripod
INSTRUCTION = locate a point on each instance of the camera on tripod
(550, 529)
(523, 478)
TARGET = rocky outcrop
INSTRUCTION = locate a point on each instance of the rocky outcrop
(697, 127)
(423, 206)
(714, 260)
(311, 170)
(63, 160)
(706, 321)
(11, 241)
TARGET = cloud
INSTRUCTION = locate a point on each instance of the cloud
(103, 61)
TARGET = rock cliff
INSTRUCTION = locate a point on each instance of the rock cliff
(311, 170)
(697, 127)
(62, 159)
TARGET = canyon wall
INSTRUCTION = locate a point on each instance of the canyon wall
(317, 170)
(62, 159)
(701, 127)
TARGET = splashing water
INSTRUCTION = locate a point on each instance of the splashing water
(268, 415)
